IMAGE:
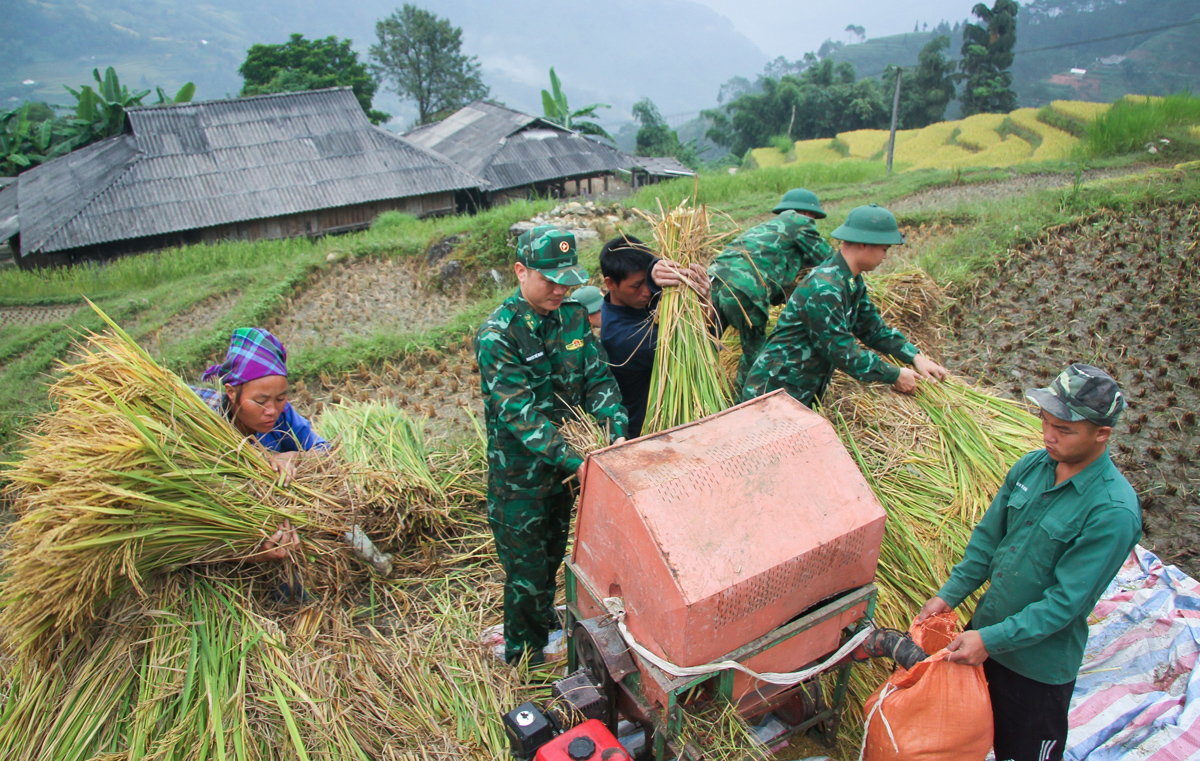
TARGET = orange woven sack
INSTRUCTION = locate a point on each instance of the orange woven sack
(938, 711)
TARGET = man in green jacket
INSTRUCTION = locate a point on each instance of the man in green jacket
(757, 270)
(537, 358)
(830, 312)
(1054, 537)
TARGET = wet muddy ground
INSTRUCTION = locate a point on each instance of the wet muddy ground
(1119, 291)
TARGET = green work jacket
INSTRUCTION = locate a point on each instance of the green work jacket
(819, 330)
(766, 259)
(1049, 552)
(533, 368)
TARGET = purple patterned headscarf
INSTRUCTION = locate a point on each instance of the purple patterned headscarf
(253, 353)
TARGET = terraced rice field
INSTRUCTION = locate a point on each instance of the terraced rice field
(996, 140)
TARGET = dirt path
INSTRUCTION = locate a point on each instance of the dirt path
(952, 196)
(1120, 293)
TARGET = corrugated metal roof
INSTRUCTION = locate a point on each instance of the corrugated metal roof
(211, 163)
(8, 212)
(664, 166)
(511, 149)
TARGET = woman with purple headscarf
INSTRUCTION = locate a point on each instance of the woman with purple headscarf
(255, 401)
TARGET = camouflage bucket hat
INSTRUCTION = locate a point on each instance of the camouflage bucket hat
(873, 225)
(590, 296)
(551, 251)
(799, 199)
(1081, 392)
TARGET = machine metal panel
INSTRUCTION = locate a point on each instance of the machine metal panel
(717, 532)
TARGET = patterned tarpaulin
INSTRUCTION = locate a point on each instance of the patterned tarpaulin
(1137, 696)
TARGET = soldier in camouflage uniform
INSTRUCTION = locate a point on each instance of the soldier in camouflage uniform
(830, 312)
(537, 355)
(758, 269)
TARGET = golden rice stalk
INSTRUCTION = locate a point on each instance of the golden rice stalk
(686, 382)
(717, 733)
(131, 475)
(583, 433)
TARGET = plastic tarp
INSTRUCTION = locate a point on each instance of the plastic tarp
(1137, 695)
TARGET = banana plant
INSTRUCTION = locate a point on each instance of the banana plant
(554, 103)
(104, 107)
(22, 143)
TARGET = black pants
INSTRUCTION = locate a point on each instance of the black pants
(1030, 716)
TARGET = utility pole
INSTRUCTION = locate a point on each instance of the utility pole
(895, 118)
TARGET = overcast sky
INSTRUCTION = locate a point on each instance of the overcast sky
(791, 28)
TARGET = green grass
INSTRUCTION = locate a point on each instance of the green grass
(720, 188)
(1130, 124)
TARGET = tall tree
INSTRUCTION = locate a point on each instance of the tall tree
(420, 57)
(302, 64)
(557, 110)
(987, 52)
(926, 91)
(656, 138)
(823, 101)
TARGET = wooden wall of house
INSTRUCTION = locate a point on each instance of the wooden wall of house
(601, 185)
(306, 224)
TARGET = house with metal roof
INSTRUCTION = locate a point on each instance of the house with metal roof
(518, 155)
(270, 166)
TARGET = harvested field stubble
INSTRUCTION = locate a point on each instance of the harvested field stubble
(353, 300)
(440, 386)
(1119, 291)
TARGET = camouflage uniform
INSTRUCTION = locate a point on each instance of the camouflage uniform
(817, 333)
(753, 273)
(533, 366)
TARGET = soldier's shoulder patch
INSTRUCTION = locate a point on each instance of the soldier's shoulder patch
(529, 321)
(576, 344)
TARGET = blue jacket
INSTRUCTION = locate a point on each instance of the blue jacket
(629, 337)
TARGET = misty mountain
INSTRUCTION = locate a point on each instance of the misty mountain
(677, 52)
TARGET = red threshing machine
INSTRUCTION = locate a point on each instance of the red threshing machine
(750, 537)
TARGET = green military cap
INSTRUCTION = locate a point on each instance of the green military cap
(590, 296)
(1081, 392)
(872, 224)
(551, 251)
(799, 199)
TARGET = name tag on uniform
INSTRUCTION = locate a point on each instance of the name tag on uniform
(535, 356)
(576, 344)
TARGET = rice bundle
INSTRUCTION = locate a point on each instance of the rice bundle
(686, 382)
(583, 433)
(132, 475)
(381, 436)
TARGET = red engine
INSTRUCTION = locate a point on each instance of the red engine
(590, 741)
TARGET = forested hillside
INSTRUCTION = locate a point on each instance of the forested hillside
(1155, 63)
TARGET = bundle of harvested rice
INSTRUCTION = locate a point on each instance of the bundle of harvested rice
(205, 664)
(132, 474)
(686, 382)
(583, 433)
(381, 436)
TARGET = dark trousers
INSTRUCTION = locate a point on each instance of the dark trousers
(1030, 716)
(531, 538)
